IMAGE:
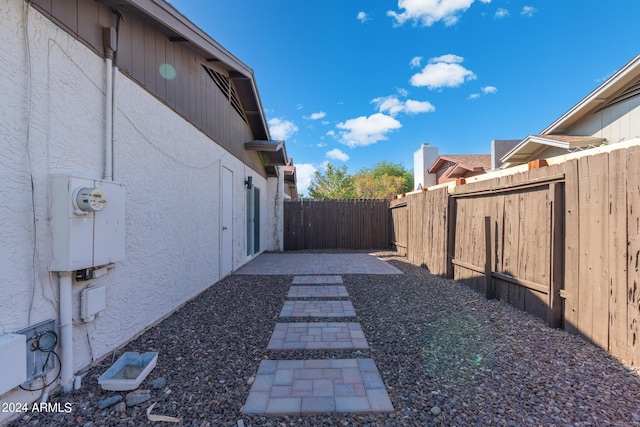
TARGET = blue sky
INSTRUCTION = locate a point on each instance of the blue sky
(354, 82)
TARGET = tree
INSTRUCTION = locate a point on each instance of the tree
(334, 183)
(383, 181)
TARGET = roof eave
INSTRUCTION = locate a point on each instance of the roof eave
(168, 17)
(597, 97)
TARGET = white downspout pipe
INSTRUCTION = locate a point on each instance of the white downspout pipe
(108, 131)
(66, 331)
(114, 104)
(109, 38)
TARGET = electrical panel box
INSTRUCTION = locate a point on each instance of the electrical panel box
(13, 365)
(87, 222)
(41, 340)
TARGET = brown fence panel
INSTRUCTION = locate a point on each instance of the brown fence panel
(399, 232)
(563, 243)
(428, 222)
(336, 224)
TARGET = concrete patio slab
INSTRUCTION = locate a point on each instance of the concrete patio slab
(317, 280)
(317, 292)
(284, 263)
(318, 309)
(304, 387)
(317, 336)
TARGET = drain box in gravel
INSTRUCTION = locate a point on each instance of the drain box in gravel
(128, 371)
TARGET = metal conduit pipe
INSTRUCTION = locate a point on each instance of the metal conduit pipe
(66, 331)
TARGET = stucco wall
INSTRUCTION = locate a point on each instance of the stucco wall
(52, 113)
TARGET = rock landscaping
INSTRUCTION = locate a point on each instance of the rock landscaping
(446, 355)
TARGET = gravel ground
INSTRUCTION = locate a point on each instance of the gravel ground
(448, 357)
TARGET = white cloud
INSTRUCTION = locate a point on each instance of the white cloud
(363, 131)
(393, 106)
(281, 128)
(337, 154)
(489, 89)
(316, 116)
(528, 11)
(428, 12)
(363, 17)
(416, 107)
(501, 13)
(474, 96)
(415, 61)
(389, 104)
(449, 58)
(443, 71)
(304, 174)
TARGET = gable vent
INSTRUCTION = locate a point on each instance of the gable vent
(630, 92)
(224, 84)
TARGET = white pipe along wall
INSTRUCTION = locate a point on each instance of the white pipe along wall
(66, 330)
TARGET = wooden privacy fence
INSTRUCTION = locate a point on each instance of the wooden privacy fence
(561, 242)
(336, 224)
(419, 229)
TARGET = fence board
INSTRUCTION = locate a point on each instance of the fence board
(617, 252)
(633, 267)
(593, 316)
(571, 246)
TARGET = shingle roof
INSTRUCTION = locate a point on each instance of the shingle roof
(471, 161)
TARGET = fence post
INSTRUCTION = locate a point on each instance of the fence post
(488, 279)
(554, 316)
(451, 236)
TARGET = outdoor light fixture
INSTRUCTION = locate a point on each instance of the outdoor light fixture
(249, 182)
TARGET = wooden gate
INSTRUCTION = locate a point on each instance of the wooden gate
(508, 243)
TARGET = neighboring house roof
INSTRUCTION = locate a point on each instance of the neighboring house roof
(464, 163)
(622, 85)
(533, 144)
(614, 89)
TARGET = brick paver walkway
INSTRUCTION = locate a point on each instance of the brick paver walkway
(316, 280)
(292, 387)
(317, 335)
(306, 263)
(317, 292)
(318, 309)
(301, 387)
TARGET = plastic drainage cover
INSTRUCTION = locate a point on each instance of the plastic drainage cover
(129, 371)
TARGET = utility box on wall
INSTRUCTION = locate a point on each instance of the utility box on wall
(87, 222)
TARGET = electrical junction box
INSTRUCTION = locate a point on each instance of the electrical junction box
(92, 301)
(87, 222)
(13, 364)
(41, 340)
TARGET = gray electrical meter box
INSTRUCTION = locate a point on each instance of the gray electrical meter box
(87, 222)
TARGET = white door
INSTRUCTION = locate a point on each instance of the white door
(226, 223)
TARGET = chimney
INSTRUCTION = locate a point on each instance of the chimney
(422, 161)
